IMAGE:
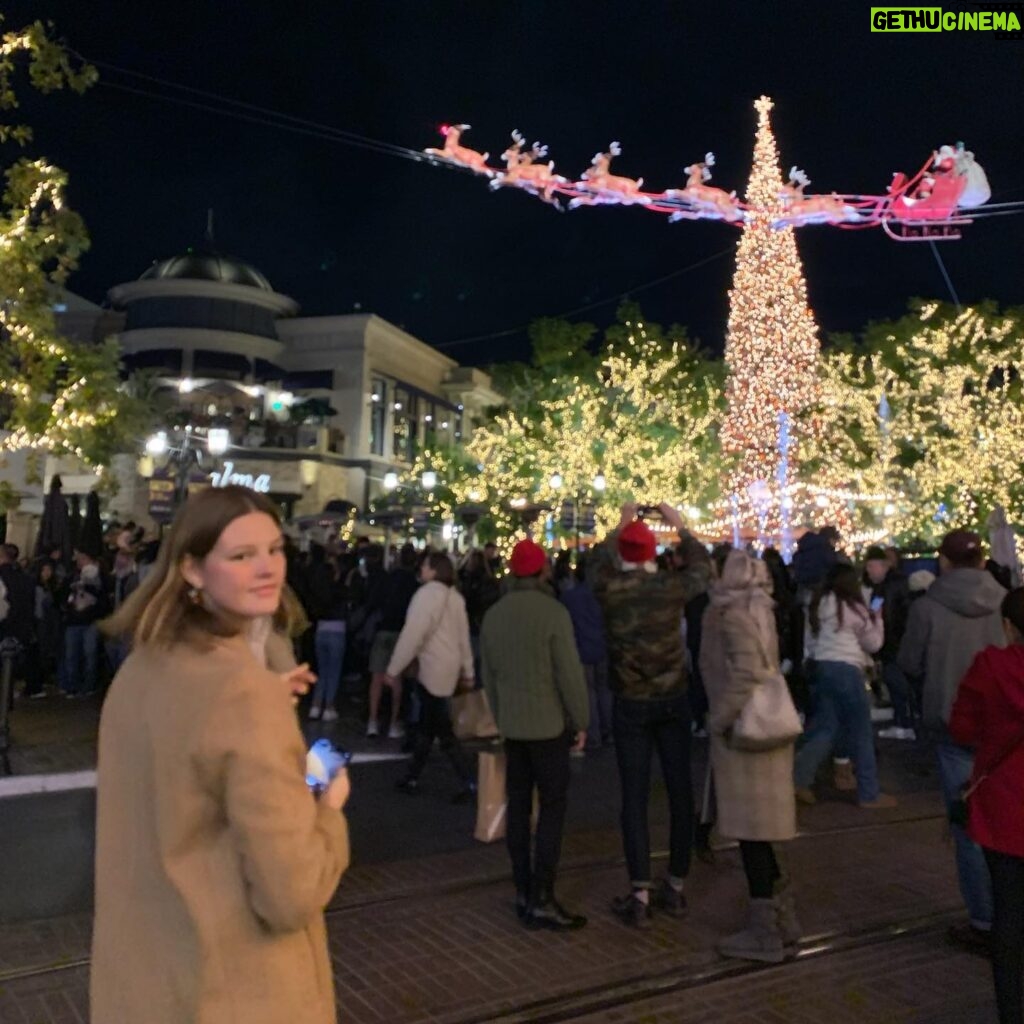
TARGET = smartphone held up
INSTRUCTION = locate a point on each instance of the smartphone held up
(323, 762)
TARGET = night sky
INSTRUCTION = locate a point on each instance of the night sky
(342, 229)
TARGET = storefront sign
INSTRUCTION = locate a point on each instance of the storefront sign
(261, 483)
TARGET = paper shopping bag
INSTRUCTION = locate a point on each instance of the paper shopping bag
(472, 718)
(491, 801)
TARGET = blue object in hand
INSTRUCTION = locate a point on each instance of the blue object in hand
(323, 762)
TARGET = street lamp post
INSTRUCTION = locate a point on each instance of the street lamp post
(598, 484)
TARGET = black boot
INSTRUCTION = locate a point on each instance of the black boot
(522, 903)
(545, 911)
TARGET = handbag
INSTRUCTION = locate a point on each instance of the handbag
(769, 718)
(959, 810)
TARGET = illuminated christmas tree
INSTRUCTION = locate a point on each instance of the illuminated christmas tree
(772, 348)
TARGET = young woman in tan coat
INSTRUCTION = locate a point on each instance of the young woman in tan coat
(754, 790)
(213, 860)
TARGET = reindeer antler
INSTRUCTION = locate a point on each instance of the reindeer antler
(517, 137)
(539, 151)
(709, 159)
(615, 149)
(798, 176)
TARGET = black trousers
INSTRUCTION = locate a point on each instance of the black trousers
(1007, 934)
(642, 727)
(436, 724)
(544, 765)
(760, 867)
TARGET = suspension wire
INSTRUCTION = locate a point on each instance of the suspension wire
(945, 274)
(254, 108)
(253, 119)
(593, 305)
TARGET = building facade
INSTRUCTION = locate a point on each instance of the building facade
(313, 410)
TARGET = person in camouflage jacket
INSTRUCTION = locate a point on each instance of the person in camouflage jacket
(644, 611)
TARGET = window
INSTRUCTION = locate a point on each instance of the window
(405, 435)
(379, 392)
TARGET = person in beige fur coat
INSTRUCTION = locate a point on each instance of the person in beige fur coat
(754, 790)
(214, 861)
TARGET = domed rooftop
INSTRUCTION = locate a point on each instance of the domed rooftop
(207, 266)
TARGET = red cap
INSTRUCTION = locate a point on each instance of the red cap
(528, 558)
(637, 543)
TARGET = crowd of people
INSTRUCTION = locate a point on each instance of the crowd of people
(631, 649)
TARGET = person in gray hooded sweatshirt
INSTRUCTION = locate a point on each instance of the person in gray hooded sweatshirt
(957, 618)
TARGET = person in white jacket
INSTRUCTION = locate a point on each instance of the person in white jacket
(842, 634)
(436, 632)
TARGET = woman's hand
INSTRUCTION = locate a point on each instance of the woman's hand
(337, 793)
(298, 681)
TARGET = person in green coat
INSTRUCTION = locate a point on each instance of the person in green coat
(537, 692)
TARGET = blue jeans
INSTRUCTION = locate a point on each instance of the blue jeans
(78, 673)
(640, 727)
(955, 767)
(899, 694)
(329, 645)
(841, 707)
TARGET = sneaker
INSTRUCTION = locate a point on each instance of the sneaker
(330, 715)
(881, 714)
(895, 732)
(315, 713)
(396, 732)
(880, 803)
(577, 754)
(408, 786)
(671, 901)
(632, 911)
(805, 796)
(372, 731)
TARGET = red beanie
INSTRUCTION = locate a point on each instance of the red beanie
(637, 543)
(527, 559)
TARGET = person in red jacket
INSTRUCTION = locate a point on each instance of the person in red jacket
(989, 716)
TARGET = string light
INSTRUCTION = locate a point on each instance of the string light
(60, 397)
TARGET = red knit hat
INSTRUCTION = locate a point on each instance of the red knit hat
(528, 558)
(637, 543)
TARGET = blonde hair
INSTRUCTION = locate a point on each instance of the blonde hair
(162, 610)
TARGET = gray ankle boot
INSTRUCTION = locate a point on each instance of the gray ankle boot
(761, 939)
(789, 923)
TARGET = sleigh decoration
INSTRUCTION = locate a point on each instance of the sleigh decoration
(932, 205)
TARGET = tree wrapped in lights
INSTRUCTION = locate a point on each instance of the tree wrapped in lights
(54, 394)
(772, 347)
(642, 412)
(928, 413)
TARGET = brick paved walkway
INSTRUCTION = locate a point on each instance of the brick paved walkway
(422, 928)
(435, 940)
(915, 980)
